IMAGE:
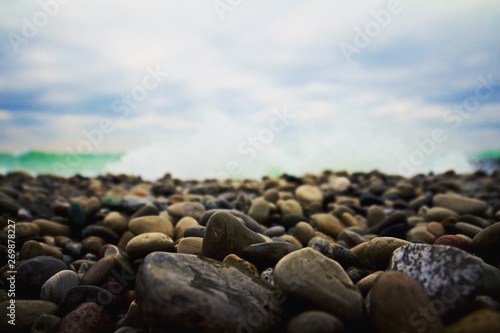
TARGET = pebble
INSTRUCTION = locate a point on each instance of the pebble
(143, 244)
(315, 322)
(467, 229)
(309, 194)
(460, 204)
(89, 317)
(380, 249)
(420, 234)
(309, 275)
(375, 216)
(174, 289)
(340, 184)
(241, 264)
(304, 232)
(450, 276)
(188, 208)
(480, 321)
(455, 241)
(289, 220)
(183, 224)
(116, 222)
(436, 229)
(438, 214)
(396, 302)
(33, 249)
(140, 225)
(260, 210)
(268, 275)
(197, 231)
(350, 238)
(365, 284)
(342, 255)
(267, 254)
(25, 230)
(290, 206)
(25, 314)
(34, 272)
(100, 271)
(275, 231)
(249, 222)
(190, 245)
(57, 286)
(486, 244)
(225, 234)
(45, 323)
(93, 244)
(52, 228)
(327, 224)
(85, 293)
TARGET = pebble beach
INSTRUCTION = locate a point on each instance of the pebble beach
(329, 252)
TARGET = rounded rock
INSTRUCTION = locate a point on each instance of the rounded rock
(143, 244)
(57, 286)
(140, 225)
(315, 322)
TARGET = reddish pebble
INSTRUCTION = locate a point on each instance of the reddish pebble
(89, 317)
(453, 240)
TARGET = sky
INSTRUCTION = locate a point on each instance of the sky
(224, 85)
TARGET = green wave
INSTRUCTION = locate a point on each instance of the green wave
(39, 162)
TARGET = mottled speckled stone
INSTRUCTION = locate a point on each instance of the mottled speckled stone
(446, 272)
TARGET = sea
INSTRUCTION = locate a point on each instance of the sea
(151, 163)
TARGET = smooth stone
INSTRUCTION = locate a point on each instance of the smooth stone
(86, 293)
(265, 255)
(438, 214)
(290, 206)
(436, 229)
(309, 194)
(356, 273)
(116, 222)
(369, 199)
(420, 234)
(375, 216)
(380, 249)
(327, 223)
(289, 239)
(350, 238)
(480, 321)
(33, 273)
(315, 322)
(225, 234)
(486, 244)
(197, 231)
(183, 224)
(304, 232)
(52, 228)
(93, 244)
(146, 210)
(275, 231)
(76, 216)
(272, 195)
(460, 204)
(249, 222)
(259, 210)
(395, 299)
(340, 184)
(187, 208)
(57, 286)
(442, 270)
(26, 313)
(490, 282)
(486, 302)
(108, 235)
(348, 220)
(393, 219)
(195, 294)
(144, 224)
(89, 317)
(143, 244)
(99, 272)
(365, 284)
(455, 241)
(241, 264)
(190, 245)
(342, 255)
(45, 323)
(309, 275)
(398, 230)
(291, 219)
(467, 229)
(360, 251)
(25, 229)
(33, 249)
